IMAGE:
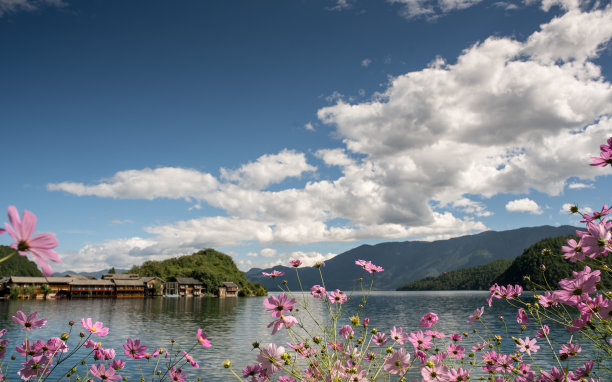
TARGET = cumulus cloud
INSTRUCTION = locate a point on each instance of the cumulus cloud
(508, 116)
(269, 169)
(340, 5)
(431, 8)
(309, 126)
(14, 6)
(579, 186)
(523, 205)
(163, 182)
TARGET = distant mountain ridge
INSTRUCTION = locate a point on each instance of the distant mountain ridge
(412, 260)
(96, 274)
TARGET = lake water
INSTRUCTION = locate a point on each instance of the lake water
(233, 324)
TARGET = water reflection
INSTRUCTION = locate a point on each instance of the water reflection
(233, 324)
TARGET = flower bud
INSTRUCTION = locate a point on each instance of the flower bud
(389, 350)
(81, 334)
(542, 267)
(71, 323)
(355, 320)
(64, 336)
(255, 345)
(373, 331)
(573, 209)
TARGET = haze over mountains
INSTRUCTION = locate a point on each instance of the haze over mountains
(412, 260)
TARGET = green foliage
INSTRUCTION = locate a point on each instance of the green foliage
(209, 266)
(45, 289)
(28, 290)
(17, 265)
(557, 267)
(112, 271)
(473, 278)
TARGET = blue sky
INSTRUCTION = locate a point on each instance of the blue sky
(273, 130)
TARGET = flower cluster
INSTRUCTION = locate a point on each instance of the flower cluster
(42, 357)
(327, 350)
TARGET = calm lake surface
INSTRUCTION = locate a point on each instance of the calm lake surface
(234, 324)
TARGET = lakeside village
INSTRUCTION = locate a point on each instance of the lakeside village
(109, 286)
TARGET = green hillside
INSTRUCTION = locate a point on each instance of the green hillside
(473, 278)
(557, 268)
(16, 265)
(511, 271)
(209, 266)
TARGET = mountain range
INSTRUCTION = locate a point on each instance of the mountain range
(412, 260)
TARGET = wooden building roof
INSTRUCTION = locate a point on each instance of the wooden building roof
(188, 280)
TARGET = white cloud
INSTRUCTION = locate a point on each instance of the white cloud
(14, 6)
(366, 62)
(119, 221)
(524, 205)
(579, 185)
(508, 117)
(163, 182)
(269, 169)
(340, 5)
(431, 8)
(308, 126)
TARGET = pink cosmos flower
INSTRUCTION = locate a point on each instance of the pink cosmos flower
(605, 210)
(286, 321)
(419, 340)
(435, 373)
(527, 345)
(295, 263)
(371, 268)
(270, 358)
(605, 157)
(543, 332)
(317, 291)
(429, 320)
(380, 339)
(547, 300)
(573, 251)
(55, 346)
(253, 371)
(398, 335)
(455, 337)
(279, 305)
(35, 367)
(456, 351)
(574, 291)
(274, 274)
(598, 241)
(521, 316)
(570, 349)
(346, 331)
(476, 316)
(96, 328)
(458, 375)
(176, 375)
(201, 336)
(100, 372)
(117, 364)
(190, 359)
(29, 322)
(338, 297)
(134, 349)
(398, 362)
(40, 246)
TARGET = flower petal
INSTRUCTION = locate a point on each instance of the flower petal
(13, 216)
(28, 225)
(43, 241)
